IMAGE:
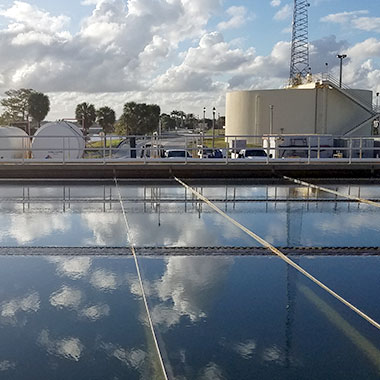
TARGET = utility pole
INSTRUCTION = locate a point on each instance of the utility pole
(271, 107)
(341, 57)
(213, 128)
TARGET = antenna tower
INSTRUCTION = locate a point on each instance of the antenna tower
(299, 65)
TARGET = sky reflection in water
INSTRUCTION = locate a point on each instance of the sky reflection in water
(219, 317)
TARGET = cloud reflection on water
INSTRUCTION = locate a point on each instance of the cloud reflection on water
(72, 267)
(69, 348)
(10, 309)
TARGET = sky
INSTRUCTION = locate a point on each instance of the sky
(179, 54)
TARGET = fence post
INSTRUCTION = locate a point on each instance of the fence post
(63, 150)
(350, 152)
(309, 151)
(361, 148)
(319, 148)
(185, 149)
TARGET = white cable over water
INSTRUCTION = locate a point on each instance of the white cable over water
(132, 246)
(277, 252)
(327, 190)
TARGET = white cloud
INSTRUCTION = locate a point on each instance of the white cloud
(68, 348)
(9, 310)
(245, 349)
(169, 61)
(284, 13)
(104, 280)
(7, 365)
(355, 19)
(25, 16)
(95, 312)
(238, 17)
(73, 267)
(66, 297)
(133, 358)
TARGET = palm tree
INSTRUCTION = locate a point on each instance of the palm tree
(38, 106)
(106, 118)
(86, 115)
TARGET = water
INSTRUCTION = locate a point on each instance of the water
(224, 317)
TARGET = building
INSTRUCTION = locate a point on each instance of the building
(320, 107)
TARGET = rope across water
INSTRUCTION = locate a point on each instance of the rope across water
(132, 246)
(277, 252)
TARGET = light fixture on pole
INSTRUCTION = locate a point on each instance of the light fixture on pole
(213, 127)
(341, 57)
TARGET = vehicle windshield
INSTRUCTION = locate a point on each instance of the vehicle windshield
(255, 153)
(177, 153)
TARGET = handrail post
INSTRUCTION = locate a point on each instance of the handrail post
(350, 152)
(104, 149)
(319, 148)
(63, 150)
(309, 151)
(185, 149)
(361, 148)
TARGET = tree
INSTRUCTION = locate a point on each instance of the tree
(86, 115)
(139, 118)
(167, 122)
(106, 118)
(38, 106)
(16, 106)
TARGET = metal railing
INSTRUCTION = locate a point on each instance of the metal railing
(188, 148)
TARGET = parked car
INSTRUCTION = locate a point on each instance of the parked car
(177, 153)
(256, 153)
(210, 153)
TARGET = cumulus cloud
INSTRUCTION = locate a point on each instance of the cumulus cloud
(238, 17)
(95, 312)
(6, 365)
(26, 228)
(176, 59)
(104, 280)
(73, 267)
(188, 287)
(133, 358)
(66, 297)
(355, 19)
(10, 310)
(69, 348)
(284, 13)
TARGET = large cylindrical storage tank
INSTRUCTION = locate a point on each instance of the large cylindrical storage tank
(14, 143)
(58, 140)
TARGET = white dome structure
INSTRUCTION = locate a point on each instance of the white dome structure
(58, 140)
(14, 143)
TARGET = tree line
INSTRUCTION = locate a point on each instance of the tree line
(28, 108)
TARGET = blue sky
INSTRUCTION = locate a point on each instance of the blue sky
(177, 53)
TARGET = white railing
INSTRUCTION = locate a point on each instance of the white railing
(190, 148)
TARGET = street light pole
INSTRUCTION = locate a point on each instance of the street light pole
(271, 107)
(203, 125)
(341, 57)
(377, 101)
(213, 128)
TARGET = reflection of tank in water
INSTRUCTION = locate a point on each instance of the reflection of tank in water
(57, 141)
(14, 143)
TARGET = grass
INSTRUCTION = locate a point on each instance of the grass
(100, 144)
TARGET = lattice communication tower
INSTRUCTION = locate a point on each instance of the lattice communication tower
(299, 65)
